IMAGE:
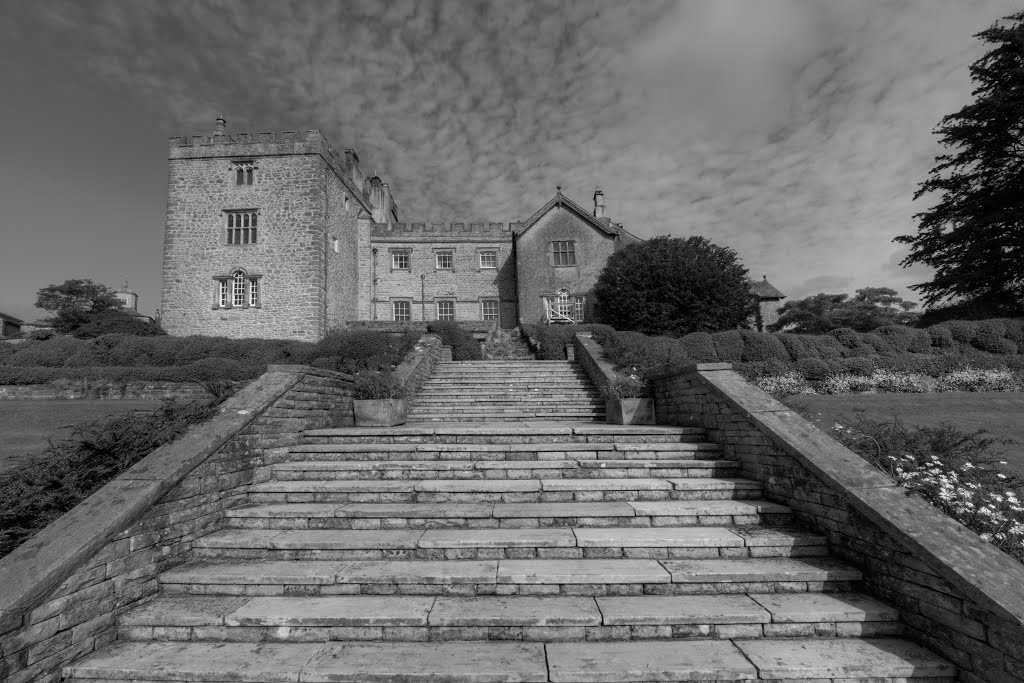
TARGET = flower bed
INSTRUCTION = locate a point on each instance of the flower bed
(965, 379)
(953, 470)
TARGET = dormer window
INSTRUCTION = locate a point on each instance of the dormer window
(243, 172)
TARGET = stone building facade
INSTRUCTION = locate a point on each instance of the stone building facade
(278, 235)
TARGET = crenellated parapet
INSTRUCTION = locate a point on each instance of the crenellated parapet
(443, 231)
(272, 143)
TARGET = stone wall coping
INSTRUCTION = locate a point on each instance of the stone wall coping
(414, 358)
(49, 557)
(689, 369)
(601, 371)
(981, 570)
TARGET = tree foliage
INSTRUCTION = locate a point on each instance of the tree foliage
(670, 285)
(76, 303)
(869, 308)
(974, 236)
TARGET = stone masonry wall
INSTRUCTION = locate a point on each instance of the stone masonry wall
(288, 194)
(956, 594)
(537, 278)
(43, 629)
(466, 283)
(419, 364)
(342, 249)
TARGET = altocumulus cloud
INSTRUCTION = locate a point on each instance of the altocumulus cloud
(794, 131)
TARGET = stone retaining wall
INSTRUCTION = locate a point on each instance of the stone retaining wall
(590, 356)
(62, 590)
(419, 364)
(82, 389)
(958, 595)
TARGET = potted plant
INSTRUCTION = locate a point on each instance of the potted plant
(627, 403)
(378, 400)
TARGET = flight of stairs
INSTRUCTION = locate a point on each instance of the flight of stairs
(507, 391)
(496, 552)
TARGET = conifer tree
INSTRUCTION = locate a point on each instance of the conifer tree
(974, 236)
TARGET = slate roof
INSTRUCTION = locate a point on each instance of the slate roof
(11, 319)
(560, 199)
(765, 290)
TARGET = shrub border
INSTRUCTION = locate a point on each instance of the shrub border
(956, 593)
(63, 588)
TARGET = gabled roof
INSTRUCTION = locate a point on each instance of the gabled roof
(11, 319)
(560, 199)
(765, 290)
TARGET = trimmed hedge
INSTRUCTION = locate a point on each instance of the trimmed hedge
(728, 345)
(554, 338)
(126, 358)
(464, 347)
(700, 347)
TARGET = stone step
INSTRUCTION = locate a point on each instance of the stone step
(548, 451)
(592, 468)
(501, 490)
(513, 544)
(507, 400)
(468, 578)
(559, 408)
(507, 434)
(529, 618)
(507, 418)
(506, 515)
(881, 660)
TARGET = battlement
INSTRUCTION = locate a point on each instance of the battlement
(443, 231)
(285, 136)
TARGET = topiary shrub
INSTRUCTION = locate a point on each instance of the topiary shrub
(858, 365)
(761, 346)
(963, 330)
(996, 327)
(993, 343)
(941, 336)
(879, 344)
(898, 336)
(814, 368)
(728, 345)
(700, 347)
(115, 322)
(847, 336)
(1014, 329)
(57, 352)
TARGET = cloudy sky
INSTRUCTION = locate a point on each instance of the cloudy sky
(794, 131)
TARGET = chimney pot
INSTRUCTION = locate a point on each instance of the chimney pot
(222, 125)
(598, 203)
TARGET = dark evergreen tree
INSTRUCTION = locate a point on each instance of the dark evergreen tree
(76, 303)
(869, 308)
(974, 236)
(670, 285)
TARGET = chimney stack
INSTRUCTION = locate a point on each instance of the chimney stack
(222, 126)
(598, 203)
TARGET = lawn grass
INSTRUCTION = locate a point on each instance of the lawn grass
(26, 425)
(1000, 414)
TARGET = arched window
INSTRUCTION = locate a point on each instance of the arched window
(564, 303)
(244, 172)
(238, 288)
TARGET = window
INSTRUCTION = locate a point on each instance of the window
(444, 260)
(489, 310)
(242, 227)
(563, 253)
(238, 290)
(400, 260)
(243, 172)
(564, 304)
(446, 310)
(564, 307)
(488, 259)
(402, 311)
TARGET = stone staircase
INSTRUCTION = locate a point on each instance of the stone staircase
(490, 552)
(507, 391)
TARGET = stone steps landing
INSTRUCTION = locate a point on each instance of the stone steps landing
(427, 618)
(675, 543)
(552, 451)
(817, 660)
(543, 433)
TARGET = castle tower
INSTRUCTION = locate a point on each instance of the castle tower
(261, 235)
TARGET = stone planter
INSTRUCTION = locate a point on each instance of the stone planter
(629, 411)
(382, 412)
